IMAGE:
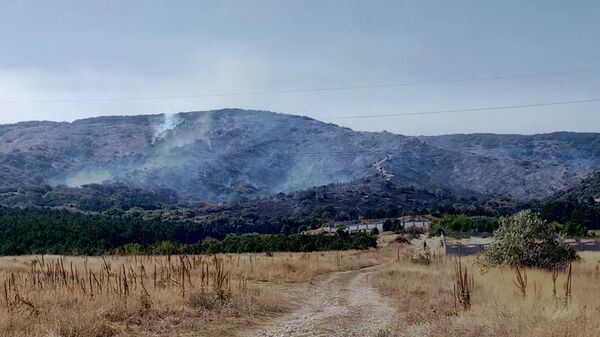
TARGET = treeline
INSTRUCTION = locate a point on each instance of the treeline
(484, 224)
(52, 231)
(572, 215)
(259, 243)
(586, 214)
(464, 223)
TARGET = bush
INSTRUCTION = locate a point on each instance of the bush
(526, 240)
(388, 225)
(164, 248)
(570, 229)
(133, 249)
(375, 231)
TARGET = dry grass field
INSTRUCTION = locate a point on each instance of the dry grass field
(428, 299)
(55, 296)
(234, 295)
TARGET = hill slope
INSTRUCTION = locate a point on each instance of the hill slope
(587, 190)
(233, 154)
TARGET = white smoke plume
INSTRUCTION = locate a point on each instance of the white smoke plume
(170, 122)
(86, 177)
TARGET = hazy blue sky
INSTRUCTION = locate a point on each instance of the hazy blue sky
(94, 49)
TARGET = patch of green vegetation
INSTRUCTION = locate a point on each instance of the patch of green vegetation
(259, 243)
(52, 231)
(464, 223)
(573, 213)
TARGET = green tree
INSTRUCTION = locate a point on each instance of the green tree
(570, 229)
(387, 225)
(528, 241)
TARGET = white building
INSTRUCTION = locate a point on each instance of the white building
(355, 226)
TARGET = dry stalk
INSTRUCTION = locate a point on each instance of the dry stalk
(568, 285)
(463, 286)
(554, 279)
(521, 280)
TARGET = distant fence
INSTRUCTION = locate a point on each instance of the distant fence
(585, 246)
(460, 249)
(464, 250)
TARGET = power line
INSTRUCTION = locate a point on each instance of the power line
(354, 153)
(304, 90)
(503, 107)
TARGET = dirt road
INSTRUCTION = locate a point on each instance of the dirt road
(343, 305)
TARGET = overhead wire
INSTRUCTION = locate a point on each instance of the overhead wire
(302, 90)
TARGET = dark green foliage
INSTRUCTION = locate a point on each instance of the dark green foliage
(93, 197)
(392, 225)
(387, 225)
(258, 243)
(570, 229)
(285, 229)
(464, 223)
(586, 214)
(38, 230)
(525, 240)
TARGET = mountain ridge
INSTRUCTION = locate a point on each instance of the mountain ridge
(234, 154)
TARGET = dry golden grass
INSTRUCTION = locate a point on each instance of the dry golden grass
(226, 295)
(425, 299)
(156, 296)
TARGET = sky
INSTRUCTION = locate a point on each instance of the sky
(66, 60)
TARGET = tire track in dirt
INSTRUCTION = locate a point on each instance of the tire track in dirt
(344, 305)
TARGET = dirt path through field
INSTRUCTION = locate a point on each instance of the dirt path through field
(341, 306)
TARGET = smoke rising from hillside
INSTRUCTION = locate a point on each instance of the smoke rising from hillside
(88, 177)
(169, 123)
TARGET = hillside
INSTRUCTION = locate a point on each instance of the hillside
(237, 155)
(588, 190)
(558, 148)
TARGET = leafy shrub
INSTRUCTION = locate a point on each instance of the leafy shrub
(164, 248)
(132, 249)
(526, 240)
